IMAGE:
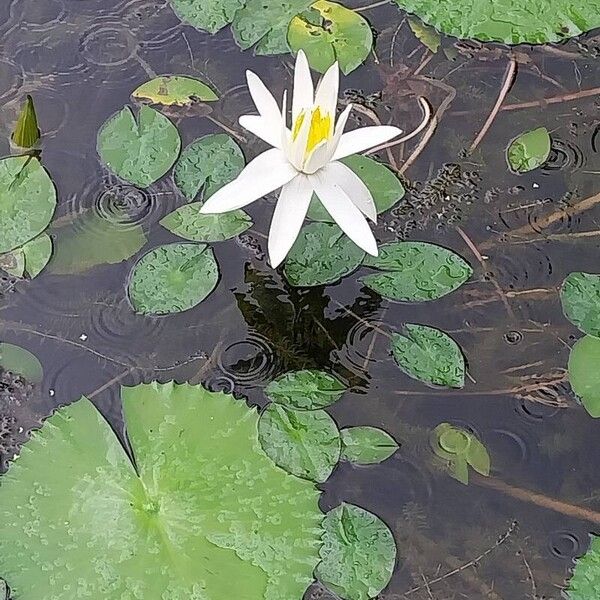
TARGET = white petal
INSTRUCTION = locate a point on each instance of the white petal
(297, 152)
(344, 213)
(319, 157)
(262, 128)
(263, 99)
(339, 130)
(288, 217)
(266, 173)
(364, 138)
(338, 173)
(326, 96)
(303, 87)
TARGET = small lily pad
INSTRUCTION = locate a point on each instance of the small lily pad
(428, 36)
(321, 255)
(20, 361)
(585, 582)
(383, 184)
(580, 297)
(429, 355)
(584, 373)
(358, 553)
(141, 151)
(304, 443)
(328, 32)
(305, 390)
(175, 90)
(529, 151)
(30, 259)
(416, 271)
(173, 278)
(367, 445)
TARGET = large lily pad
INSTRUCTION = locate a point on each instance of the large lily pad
(141, 151)
(327, 32)
(584, 373)
(173, 278)
(509, 21)
(27, 201)
(367, 445)
(210, 161)
(204, 513)
(207, 15)
(416, 271)
(304, 443)
(383, 184)
(529, 150)
(429, 355)
(580, 297)
(174, 90)
(358, 553)
(585, 583)
(322, 254)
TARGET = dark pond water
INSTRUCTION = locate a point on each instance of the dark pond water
(511, 536)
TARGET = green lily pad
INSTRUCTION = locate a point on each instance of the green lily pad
(383, 184)
(358, 553)
(585, 582)
(529, 151)
(199, 511)
(429, 355)
(173, 278)
(210, 161)
(37, 253)
(328, 32)
(174, 90)
(511, 21)
(428, 36)
(27, 201)
(305, 390)
(416, 271)
(304, 443)
(207, 15)
(321, 255)
(584, 373)
(367, 445)
(580, 297)
(190, 224)
(141, 151)
(20, 361)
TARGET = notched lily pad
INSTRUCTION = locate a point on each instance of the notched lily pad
(358, 553)
(585, 582)
(328, 32)
(584, 373)
(429, 355)
(175, 90)
(580, 297)
(139, 151)
(304, 443)
(367, 445)
(529, 151)
(173, 278)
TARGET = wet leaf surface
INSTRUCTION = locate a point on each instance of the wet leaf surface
(367, 445)
(95, 525)
(305, 390)
(139, 151)
(207, 15)
(529, 151)
(584, 374)
(328, 32)
(37, 253)
(358, 553)
(174, 90)
(416, 271)
(173, 278)
(21, 362)
(303, 443)
(429, 355)
(580, 297)
(585, 583)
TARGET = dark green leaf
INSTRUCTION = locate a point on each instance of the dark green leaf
(174, 90)
(305, 390)
(428, 36)
(584, 374)
(580, 297)
(367, 445)
(529, 151)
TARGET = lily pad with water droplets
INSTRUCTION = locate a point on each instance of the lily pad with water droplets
(584, 374)
(321, 255)
(367, 445)
(27, 201)
(585, 582)
(198, 511)
(383, 184)
(29, 259)
(327, 32)
(173, 278)
(207, 15)
(416, 271)
(174, 90)
(580, 297)
(509, 21)
(429, 355)
(139, 151)
(529, 151)
(20, 361)
(358, 553)
(304, 443)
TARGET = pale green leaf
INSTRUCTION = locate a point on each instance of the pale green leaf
(305, 390)
(37, 253)
(27, 132)
(585, 582)
(206, 15)
(175, 90)
(580, 297)
(428, 36)
(529, 150)
(20, 361)
(367, 445)
(584, 373)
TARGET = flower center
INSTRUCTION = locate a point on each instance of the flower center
(320, 128)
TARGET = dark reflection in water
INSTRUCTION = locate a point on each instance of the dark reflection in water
(499, 538)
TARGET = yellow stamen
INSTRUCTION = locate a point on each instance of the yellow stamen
(320, 128)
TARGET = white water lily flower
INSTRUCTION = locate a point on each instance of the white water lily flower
(305, 159)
